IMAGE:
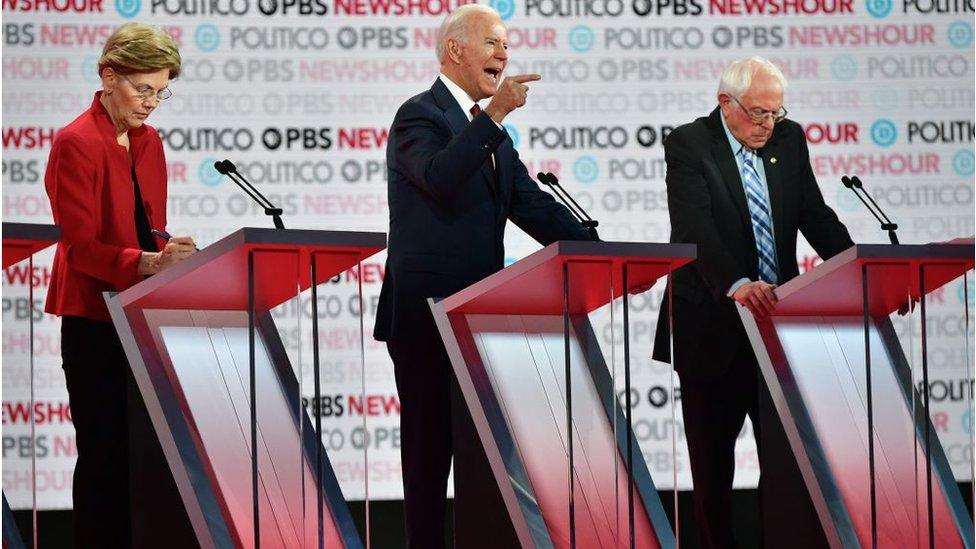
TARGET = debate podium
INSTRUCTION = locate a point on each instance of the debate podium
(854, 406)
(529, 366)
(223, 389)
(20, 242)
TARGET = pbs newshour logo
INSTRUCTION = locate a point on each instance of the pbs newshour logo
(505, 8)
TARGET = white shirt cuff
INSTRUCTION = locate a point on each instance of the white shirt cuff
(736, 285)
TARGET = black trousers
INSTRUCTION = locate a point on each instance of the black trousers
(435, 427)
(423, 381)
(714, 412)
(123, 492)
(95, 370)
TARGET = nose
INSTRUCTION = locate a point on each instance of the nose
(152, 100)
(501, 52)
(768, 121)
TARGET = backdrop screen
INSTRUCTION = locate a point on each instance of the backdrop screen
(301, 93)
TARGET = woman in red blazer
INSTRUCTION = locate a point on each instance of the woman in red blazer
(106, 179)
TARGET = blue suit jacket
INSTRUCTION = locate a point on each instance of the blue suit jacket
(447, 212)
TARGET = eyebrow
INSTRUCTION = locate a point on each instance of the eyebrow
(148, 86)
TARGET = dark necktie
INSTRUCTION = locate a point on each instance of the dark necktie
(475, 111)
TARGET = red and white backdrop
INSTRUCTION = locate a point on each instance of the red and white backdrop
(300, 94)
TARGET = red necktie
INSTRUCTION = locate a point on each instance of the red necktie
(475, 111)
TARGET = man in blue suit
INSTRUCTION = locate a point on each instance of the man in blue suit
(454, 179)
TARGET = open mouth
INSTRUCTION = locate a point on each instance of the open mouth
(493, 74)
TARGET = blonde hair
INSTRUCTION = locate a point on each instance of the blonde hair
(136, 47)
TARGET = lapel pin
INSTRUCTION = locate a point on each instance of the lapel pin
(772, 160)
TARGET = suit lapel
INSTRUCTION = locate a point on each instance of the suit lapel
(722, 154)
(503, 168)
(774, 182)
(458, 120)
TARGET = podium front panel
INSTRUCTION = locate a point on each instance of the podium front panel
(848, 389)
(224, 348)
(546, 393)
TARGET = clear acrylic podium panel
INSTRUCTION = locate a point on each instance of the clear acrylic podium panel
(21, 312)
(817, 368)
(20, 394)
(195, 368)
(512, 369)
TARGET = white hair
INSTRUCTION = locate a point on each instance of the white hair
(456, 23)
(738, 76)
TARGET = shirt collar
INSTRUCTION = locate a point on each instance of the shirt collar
(461, 96)
(737, 148)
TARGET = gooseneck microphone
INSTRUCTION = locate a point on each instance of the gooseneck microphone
(550, 180)
(228, 168)
(854, 184)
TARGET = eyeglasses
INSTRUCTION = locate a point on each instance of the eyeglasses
(760, 116)
(146, 92)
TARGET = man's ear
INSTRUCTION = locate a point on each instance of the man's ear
(454, 50)
(724, 101)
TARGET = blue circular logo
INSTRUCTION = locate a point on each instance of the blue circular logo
(960, 34)
(844, 67)
(878, 8)
(505, 8)
(846, 199)
(884, 133)
(208, 174)
(966, 287)
(89, 69)
(963, 162)
(885, 99)
(581, 38)
(513, 134)
(586, 169)
(128, 8)
(207, 37)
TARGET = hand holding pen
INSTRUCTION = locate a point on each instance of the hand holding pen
(177, 249)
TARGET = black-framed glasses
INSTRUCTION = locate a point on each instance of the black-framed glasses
(146, 92)
(760, 116)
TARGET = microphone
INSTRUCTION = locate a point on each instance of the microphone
(550, 180)
(226, 167)
(854, 184)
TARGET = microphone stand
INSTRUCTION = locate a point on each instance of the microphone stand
(551, 181)
(854, 184)
(228, 168)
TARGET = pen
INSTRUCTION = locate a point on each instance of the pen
(166, 236)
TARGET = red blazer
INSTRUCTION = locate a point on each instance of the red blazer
(89, 183)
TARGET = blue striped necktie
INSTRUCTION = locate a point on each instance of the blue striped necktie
(762, 221)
